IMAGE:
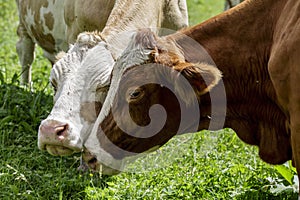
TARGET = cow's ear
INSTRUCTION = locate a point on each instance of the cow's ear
(201, 76)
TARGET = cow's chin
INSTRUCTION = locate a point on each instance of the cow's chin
(93, 164)
(59, 150)
(103, 169)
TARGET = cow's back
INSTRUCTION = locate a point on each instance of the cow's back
(54, 24)
(83, 15)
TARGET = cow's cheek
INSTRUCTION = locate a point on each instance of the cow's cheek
(89, 111)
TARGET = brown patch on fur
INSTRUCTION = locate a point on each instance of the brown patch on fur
(48, 42)
(138, 141)
(49, 20)
(89, 111)
(167, 58)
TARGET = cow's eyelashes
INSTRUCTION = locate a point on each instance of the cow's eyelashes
(54, 85)
(135, 94)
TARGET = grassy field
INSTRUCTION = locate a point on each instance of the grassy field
(209, 165)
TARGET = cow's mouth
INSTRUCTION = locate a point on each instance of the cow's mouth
(96, 166)
(90, 160)
(59, 150)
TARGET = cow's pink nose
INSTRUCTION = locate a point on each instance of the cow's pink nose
(53, 129)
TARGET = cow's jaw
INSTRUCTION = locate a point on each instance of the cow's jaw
(106, 164)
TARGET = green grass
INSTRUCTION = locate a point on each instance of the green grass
(212, 165)
(200, 10)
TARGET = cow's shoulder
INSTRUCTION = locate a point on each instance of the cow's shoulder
(284, 56)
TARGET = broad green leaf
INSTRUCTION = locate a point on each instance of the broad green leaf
(285, 172)
(291, 167)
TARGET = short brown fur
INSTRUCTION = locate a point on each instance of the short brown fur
(256, 46)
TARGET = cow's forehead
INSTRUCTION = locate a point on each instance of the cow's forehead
(81, 61)
(135, 54)
(65, 65)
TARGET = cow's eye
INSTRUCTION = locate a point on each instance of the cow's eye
(134, 94)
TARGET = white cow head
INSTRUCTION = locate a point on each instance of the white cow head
(80, 91)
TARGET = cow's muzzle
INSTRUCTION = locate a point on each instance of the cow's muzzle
(54, 136)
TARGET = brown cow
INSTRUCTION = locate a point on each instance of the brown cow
(258, 57)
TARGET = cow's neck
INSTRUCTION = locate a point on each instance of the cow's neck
(239, 42)
(136, 15)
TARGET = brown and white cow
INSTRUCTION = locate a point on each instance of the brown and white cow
(81, 76)
(54, 24)
(259, 60)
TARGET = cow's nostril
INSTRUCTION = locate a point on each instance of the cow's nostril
(61, 130)
(92, 161)
(51, 129)
(59, 133)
